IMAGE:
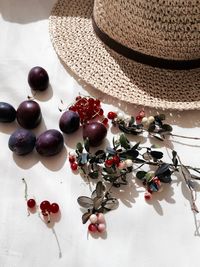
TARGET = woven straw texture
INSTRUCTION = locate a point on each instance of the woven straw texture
(78, 47)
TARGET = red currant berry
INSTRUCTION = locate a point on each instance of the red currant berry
(111, 115)
(74, 166)
(31, 203)
(138, 119)
(71, 159)
(91, 101)
(92, 228)
(97, 102)
(54, 208)
(109, 162)
(105, 121)
(142, 113)
(116, 159)
(73, 108)
(101, 112)
(45, 205)
(147, 196)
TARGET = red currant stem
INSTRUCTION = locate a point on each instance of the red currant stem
(57, 241)
(49, 218)
(193, 204)
(32, 97)
(182, 136)
(25, 190)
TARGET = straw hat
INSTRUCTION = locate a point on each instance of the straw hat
(145, 52)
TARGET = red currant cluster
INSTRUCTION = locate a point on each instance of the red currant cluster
(115, 160)
(119, 116)
(156, 183)
(88, 108)
(45, 207)
(73, 163)
(97, 223)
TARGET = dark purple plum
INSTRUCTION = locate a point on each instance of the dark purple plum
(22, 142)
(38, 79)
(7, 112)
(69, 122)
(29, 114)
(50, 143)
(95, 132)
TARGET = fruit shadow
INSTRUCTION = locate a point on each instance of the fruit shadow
(44, 95)
(126, 194)
(187, 195)
(8, 127)
(53, 163)
(157, 197)
(72, 139)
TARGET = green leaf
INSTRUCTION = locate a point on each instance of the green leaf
(85, 217)
(162, 169)
(156, 154)
(99, 189)
(86, 144)
(135, 146)
(167, 128)
(151, 128)
(79, 147)
(141, 175)
(132, 121)
(84, 158)
(161, 117)
(94, 174)
(174, 159)
(148, 176)
(124, 129)
(111, 204)
(85, 202)
(124, 141)
(97, 202)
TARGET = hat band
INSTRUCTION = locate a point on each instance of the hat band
(143, 58)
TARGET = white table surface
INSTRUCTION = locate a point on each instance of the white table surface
(141, 234)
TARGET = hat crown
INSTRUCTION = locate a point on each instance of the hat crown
(161, 28)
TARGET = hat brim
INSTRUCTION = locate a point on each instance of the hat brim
(77, 45)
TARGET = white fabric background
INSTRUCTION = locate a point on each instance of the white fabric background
(161, 233)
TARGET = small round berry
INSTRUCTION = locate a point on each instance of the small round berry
(101, 227)
(128, 163)
(74, 166)
(45, 205)
(101, 112)
(116, 159)
(147, 195)
(120, 116)
(97, 102)
(31, 203)
(109, 162)
(93, 218)
(151, 119)
(73, 108)
(100, 218)
(92, 228)
(54, 208)
(138, 119)
(111, 115)
(121, 165)
(144, 120)
(105, 121)
(127, 118)
(71, 159)
(141, 113)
